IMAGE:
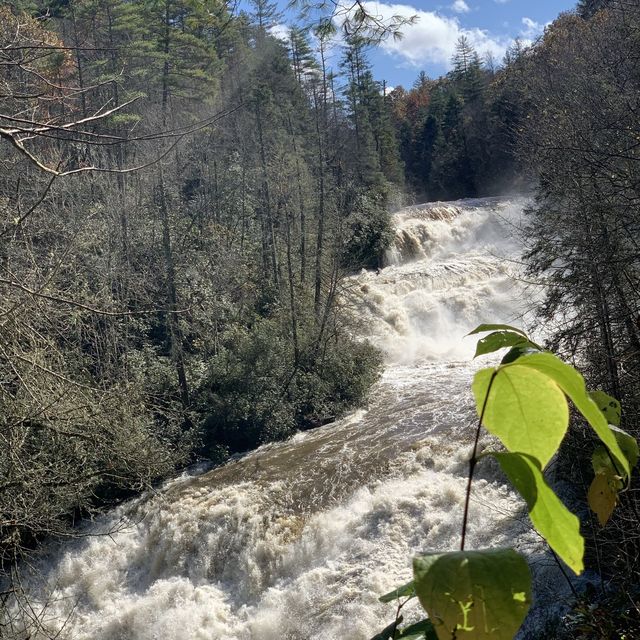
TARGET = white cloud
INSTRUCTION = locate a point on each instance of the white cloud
(532, 29)
(460, 6)
(433, 38)
(280, 31)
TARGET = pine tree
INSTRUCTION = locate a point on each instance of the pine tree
(361, 93)
(426, 144)
(513, 53)
(452, 172)
(265, 15)
(302, 58)
(183, 64)
(467, 72)
(463, 58)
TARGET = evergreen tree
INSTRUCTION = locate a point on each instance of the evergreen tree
(513, 53)
(359, 92)
(302, 58)
(464, 58)
(426, 145)
(467, 73)
(265, 15)
(184, 64)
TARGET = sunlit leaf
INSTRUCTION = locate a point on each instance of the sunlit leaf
(525, 409)
(552, 520)
(608, 405)
(602, 497)
(572, 383)
(474, 595)
(497, 327)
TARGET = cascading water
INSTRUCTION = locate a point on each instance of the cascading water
(298, 539)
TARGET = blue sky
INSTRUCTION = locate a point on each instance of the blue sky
(491, 25)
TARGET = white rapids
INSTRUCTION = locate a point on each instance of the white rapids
(296, 540)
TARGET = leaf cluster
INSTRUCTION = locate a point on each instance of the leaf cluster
(524, 403)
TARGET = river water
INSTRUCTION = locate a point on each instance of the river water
(297, 540)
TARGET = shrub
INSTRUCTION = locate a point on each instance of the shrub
(255, 392)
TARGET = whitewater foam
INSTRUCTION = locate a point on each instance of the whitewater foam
(296, 540)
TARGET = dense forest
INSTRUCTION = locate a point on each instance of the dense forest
(183, 197)
(182, 193)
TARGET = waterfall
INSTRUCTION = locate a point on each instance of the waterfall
(297, 540)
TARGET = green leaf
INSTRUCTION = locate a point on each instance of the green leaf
(608, 405)
(601, 461)
(422, 630)
(517, 352)
(406, 590)
(477, 595)
(601, 458)
(552, 520)
(525, 409)
(572, 383)
(499, 340)
(628, 445)
(497, 327)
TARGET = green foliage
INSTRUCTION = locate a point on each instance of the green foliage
(498, 340)
(572, 384)
(608, 481)
(377, 159)
(370, 233)
(522, 407)
(242, 393)
(503, 335)
(456, 133)
(552, 520)
(483, 328)
(601, 459)
(609, 406)
(628, 445)
(254, 391)
(484, 595)
(523, 401)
